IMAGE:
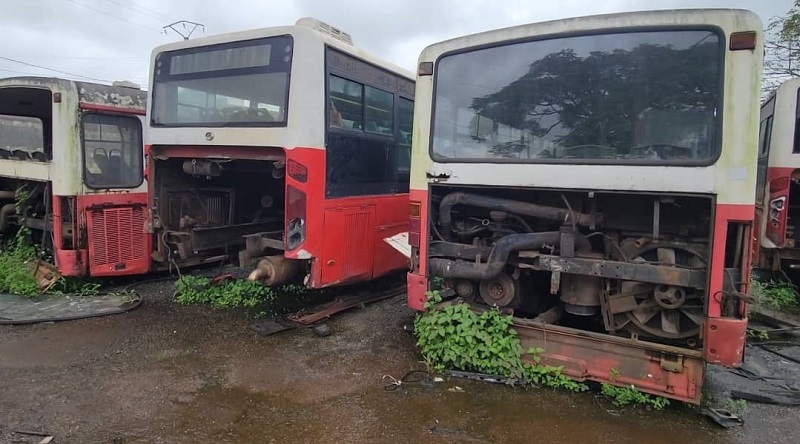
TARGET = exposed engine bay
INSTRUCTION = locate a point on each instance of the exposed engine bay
(210, 210)
(631, 264)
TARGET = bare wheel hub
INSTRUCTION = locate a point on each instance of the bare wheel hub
(669, 297)
(499, 291)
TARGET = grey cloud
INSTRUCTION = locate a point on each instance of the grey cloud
(71, 35)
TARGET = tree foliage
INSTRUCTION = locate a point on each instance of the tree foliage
(782, 49)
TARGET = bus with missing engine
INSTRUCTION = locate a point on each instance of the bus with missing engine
(284, 150)
(74, 150)
(595, 177)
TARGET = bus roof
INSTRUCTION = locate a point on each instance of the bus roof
(110, 96)
(791, 84)
(302, 29)
(586, 24)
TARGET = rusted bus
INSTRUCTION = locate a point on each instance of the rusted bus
(81, 164)
(296, 144)
(777, 239)
(627, 231)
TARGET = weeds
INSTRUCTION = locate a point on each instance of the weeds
(226, 294)
(456, 337)
(736, 406)
(774, 294)
(622, 396)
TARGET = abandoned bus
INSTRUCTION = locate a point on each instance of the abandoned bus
(778, 184)
(595, 177)
(76, 149)
(286, 149)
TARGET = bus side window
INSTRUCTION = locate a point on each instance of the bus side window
(405, 118)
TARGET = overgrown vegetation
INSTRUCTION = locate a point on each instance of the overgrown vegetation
(231, 293)
(779, 295)
(456, 337)
(18, 256)
(622, 396)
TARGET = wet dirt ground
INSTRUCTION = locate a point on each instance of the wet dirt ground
(170, 374)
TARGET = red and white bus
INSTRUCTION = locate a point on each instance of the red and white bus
(76, 148)
(286, 149)
(778, 185)
(595, 176)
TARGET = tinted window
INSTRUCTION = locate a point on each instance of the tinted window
(613, 98)
(347, 103)
(405, 118)
(112, 147)
(232, 84)
(380, 107)
(369, 131)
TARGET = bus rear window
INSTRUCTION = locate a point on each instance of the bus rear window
(113, 151)
(21, 138)
(232, 84)
(633, 97)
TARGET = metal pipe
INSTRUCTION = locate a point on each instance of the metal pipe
(275, 270)
(6, 212)
(202, 168)
(498, 257)
(511, 206)
(7, 195)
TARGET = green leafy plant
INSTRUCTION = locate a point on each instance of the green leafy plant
(226, 294)
(622, 396)
(737, 406)
(456, 337)
(760, 335)
(17, 256)
(775, 294)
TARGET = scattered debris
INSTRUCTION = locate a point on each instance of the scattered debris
(46, 275)
(789, 398)
(342, 303)
(322, 330)
(477, 376)
(458, 435)
(455, 389)
(420, 377)
(723, 417)
(268, 327)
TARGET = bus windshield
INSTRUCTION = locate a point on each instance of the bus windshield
(633, 97)
(242, 83)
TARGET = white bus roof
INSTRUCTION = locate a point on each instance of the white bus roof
(636, 19)
(114, 96)
(304, 28)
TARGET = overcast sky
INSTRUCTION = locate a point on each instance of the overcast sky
(112, 39)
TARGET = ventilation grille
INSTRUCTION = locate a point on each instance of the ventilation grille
(357, 252)
(117, 235)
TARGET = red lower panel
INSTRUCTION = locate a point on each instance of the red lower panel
(652, 368)
(344, 236)
(417, 287)
(118, 244)
(71, 262)
(725, 340)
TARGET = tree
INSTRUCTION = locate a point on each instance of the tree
(782, 49)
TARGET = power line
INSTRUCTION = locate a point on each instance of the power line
(111, 15)
(52, 69)
(141, 10)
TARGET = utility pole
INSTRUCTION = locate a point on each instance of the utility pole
(184, 30)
